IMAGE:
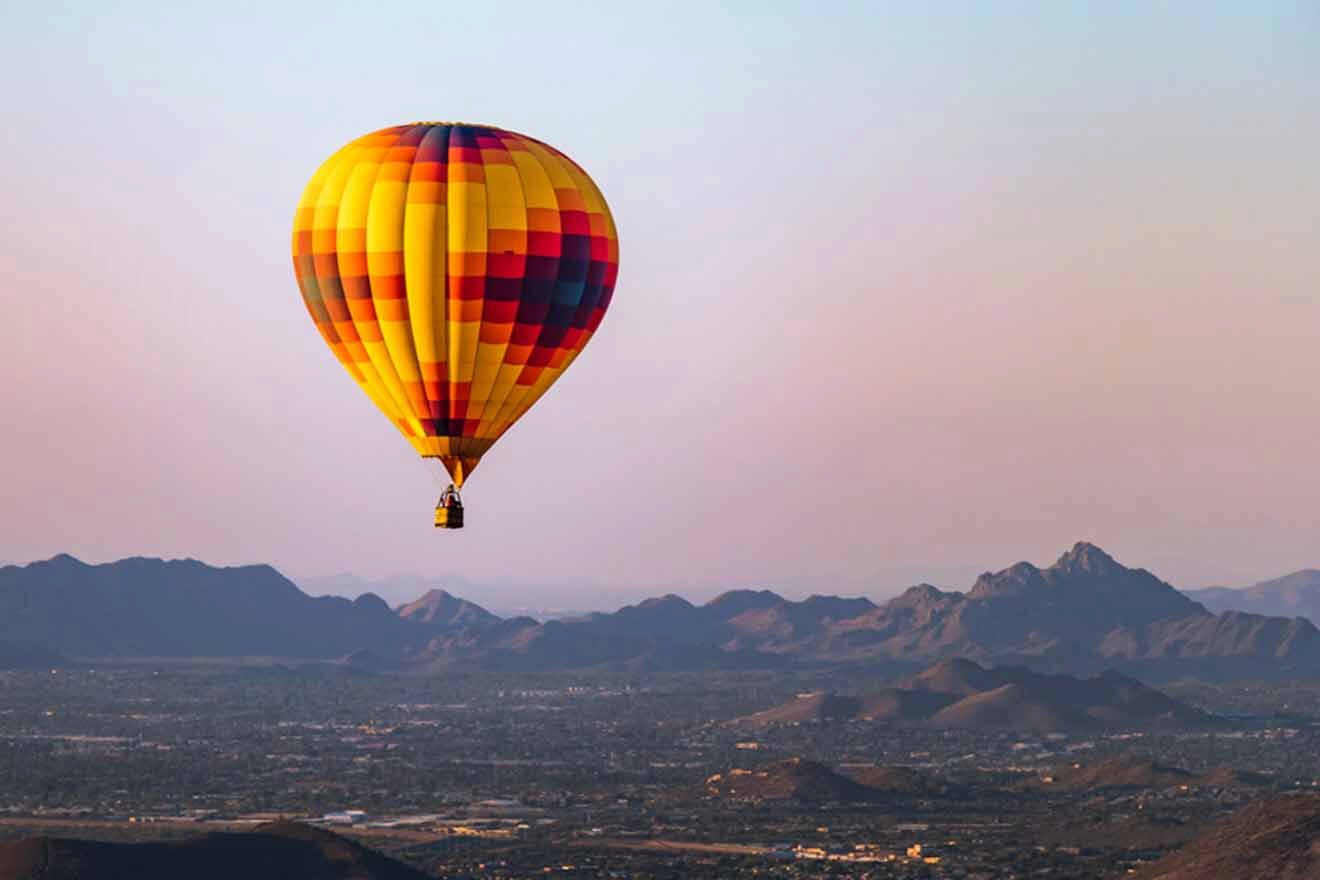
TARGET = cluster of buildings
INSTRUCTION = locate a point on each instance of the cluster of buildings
(866, 852)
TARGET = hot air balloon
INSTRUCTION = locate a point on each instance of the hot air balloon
(455, 271)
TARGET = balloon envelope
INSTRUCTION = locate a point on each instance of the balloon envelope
(455, 271)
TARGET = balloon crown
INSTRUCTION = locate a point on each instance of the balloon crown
(452, 123)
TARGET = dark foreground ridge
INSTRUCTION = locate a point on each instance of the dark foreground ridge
(1081, 615)
(277, 851)
(1275, 839)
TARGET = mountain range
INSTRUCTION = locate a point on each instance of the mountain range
(1084, 613)
(1293, 595)
(961, 694)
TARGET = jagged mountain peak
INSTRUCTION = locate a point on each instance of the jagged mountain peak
(431, 601)
(1083, 569)
(1016, 580)
(440, 607)
(1087, 558)
(922, 595)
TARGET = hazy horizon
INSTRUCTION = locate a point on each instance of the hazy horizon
(902, 289)
(542, 599)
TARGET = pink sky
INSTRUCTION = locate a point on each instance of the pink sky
(900, 292)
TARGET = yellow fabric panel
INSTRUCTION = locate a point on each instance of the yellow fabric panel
(467, 218)
(384, 266)
(552, 165)
(385, 218)
(467, 239)
(425, 230)
(538, 191)
(506, 208)
(501, 391)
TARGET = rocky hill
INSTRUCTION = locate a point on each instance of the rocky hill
(444, 612)
(1136, 771)
(962, 694)
(795, 779)
(901, 781)
(892, 704)
(1122, 771)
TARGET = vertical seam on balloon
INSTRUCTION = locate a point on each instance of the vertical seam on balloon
(443, 326)
(493, 421)
(533, 397)
(584, 182)
(485, 286)
(410, 354)
(390, 381)
(438, 257)
(493, 407)
(461, 438)
(465, 442)
(371, 384)
(512, 411)
(451, 351)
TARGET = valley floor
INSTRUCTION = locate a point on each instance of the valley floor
(575, 775)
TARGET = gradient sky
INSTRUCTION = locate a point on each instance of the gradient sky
(906, 290)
